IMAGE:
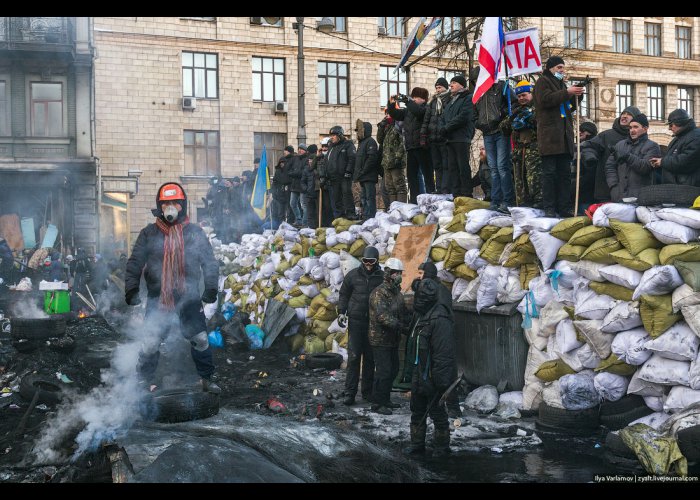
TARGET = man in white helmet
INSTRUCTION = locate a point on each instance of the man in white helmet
(387, 313)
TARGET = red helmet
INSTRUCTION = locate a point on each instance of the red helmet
(171, 191)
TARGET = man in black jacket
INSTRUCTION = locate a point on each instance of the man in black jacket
(280, 191)
(295, 167)
(173, 254)
(340, 166)
(430, 135)
(680, 164)
(310, 188)
(366, 168)
(353, 310)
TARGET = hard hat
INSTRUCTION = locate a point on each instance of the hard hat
(394, 264)
(325, 141)
(171, 192)
(337, 130)
(370, 253)
(696, 203)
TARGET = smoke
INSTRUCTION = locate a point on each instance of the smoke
(27, 308)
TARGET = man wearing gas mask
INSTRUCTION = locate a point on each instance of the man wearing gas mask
(172, 254)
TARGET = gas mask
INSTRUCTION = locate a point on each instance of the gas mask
(170, 212)
(559, 76)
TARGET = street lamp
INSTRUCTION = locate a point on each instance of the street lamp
(325, 25)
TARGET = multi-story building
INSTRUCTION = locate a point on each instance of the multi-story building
(47, 162)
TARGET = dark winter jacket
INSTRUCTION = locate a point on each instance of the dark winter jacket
(387, 313)
(367, 159)
(555, 135)
(492, 108)
(594, 156)
(341, 159)
(320, 164)
(412, 118)
(295, 169)
(628, 168)
(355, 290)
(430, 128)
(681, 164)
(147, 257)
(435, 341)
(309, 180)
(456, 124)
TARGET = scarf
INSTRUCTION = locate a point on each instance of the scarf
(173, 275)
(438, 101)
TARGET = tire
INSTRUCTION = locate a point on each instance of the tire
(183, 405)
(328, 360)
(689, 443)
(615, 445)
(50, 392)
(626, 403)
(557, 418)
(621, 420)
(37, 329)
(24, 346)
(668, 193)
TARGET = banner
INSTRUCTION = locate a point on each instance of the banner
(522, 48)
(490, 52)
(417, 35)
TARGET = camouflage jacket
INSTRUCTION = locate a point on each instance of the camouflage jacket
(521, 126)
(387, 313)
(393, 150)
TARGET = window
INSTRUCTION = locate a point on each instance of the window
(391, 83)
(274, 146)
(448, 26)
(655, 102)
(267, 21)
(683, 42)
(340, 24)
(202, 152)
(625, 96)
(47, 109)
(447, 74)
(392, 25)
(652, 39)
(4, 108)
(268, 79)
(685, 99)
(584, 105)
(200, 75)
(621, 36)
(575, 32)
(332, 82)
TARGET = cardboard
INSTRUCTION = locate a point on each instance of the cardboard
(28, 232)
(10, 230)
(412, 248)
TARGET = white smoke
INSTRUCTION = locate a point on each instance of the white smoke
(28, 309)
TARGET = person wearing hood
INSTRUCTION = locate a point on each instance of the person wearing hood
(594, 155)
(434, 371)
(296, 165)
(340, 165)
(366, 166)
(172, 255)
(680, 163)
(310, 186)
(430, 135)
(393, 158)
(280, 189)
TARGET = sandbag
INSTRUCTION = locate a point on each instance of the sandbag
(470, 294)
(500, 220)
(487, 231)
(659, 280)
(358, 247)
(643, 388)
(419, 219)
(491, 251)
(615, 291)
(694, 374)
(473, 260)
(483, 399)
(464, 272)
(690, 252)
(546, 247)
(588, 269)
(438, 254)
(465, 204)
(633, 236)
(532, 391)
(684, 216)
(467, 241)
(348, 263)
(571, 253)
(314, 345)
(551, 315)
(610, 386)
(565, 229)
(522, 215)
(646, 259)
(620, 211)
(457, 223)
(551, 394)
(550, 371)
(504, 235)
(684, 296)
(690, 272)
(664, 371)
(680, 398)
(616, 366)
(454, 255)
(600, 250)
(587, 357)
(578, 392)
(509, 289)
(654, 403)
(691, 314)
(622, 276)
(458, 287)
(622, 317)
(541, 224)
(521, 252)
(654, 420)
(533, 335)
(330, 260)
(588, 235)
(476, 219)
(488, 287)
(671, 233)
(566, 336)
(657, 313)
(678, 342)
(527, 273)
(647, 214)
(599, 341)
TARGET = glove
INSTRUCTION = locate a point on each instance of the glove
(423, 140)
(347, 175)
(200, 342)
(131, 297)
(209, 295)
(343, 321)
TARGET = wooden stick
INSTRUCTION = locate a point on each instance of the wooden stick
(94, 308)
(320, 205)
(91, 297)
(578, 153)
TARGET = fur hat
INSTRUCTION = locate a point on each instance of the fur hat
(459, 79)
(420, 92)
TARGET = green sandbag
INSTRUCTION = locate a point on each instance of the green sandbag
(614, 290)
(572, 253)
(457, 223)
(465, 272)
(657, 314)
(633, 236)
(568, 227)
(659, 454)
(588, 235)
(491, 251)
(437, 254)
(296, 342)
(465, 204)
(600, 250)
(314, 345)
(687, 252)
(419, 219)
(527, 273)
(690, 272)
(613, 364)
(487, 231)
(646, 259)
(504, 235)
(549, 371)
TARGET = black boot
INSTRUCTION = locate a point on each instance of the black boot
(441, 442)
(417, 446)
(349, 400)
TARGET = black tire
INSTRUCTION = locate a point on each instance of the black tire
(615, 445)
(65, 343)
(183, 405)
(24, 346)
(621, 420)
(626, 403)
(37, 329)
(557, 418)
(328, 360)
(50, 392)
(681, 195)
(689, 443)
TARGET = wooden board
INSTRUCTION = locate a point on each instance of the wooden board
(412, 248)
(11, 231)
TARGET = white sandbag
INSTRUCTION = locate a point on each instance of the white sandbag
(488, 288)
(442, 241)
(381, 234)
(445, 275)
(655, 403)
(623, 316)
(500, 221)
(308, 263)
(393, 229)
(458, 287)
(565, 296)
(542, 224)
(473, 260)
(331, 240)
(439, 217)
(588, 269)
(532, 391)
(355, 229)
(591, 305)
(664, 371)
(335, 328)
(691, 314)
(370, 224)
(659, 280)
(587, 357)
(578, 392)
(294, 273)
(629, 346)
(309, 290)
(334, 296)
(570, 358)
(567, 276)
(680, 398)
(335, 276)
(477, 219)
(621, 275)
(346, 237)
(566, 336)
(694, 374)
(541, 290)
(641, 387)
(550, 316)
(483, 399)
(610, 386)
(514, 397)
(471, 292)
(684, 296)
(546, 247)
(508, 289)
(368, 238)
(678, 342)
(276, 259)
(467, 241)
(532, 335)
(620, 211)
(407, 210)
(653, 420)
(551, 394)
(331, 260)
(301, 312)
(317, 273)
(599, 341)
(347, 262)
(647, 214)
(520, 216)
(670, 232)
(307, 232)
(684, 216)
(267, 270)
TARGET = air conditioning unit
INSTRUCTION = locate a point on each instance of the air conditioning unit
(256, 20)
(281, 107)
(189, 103)
(381, 30)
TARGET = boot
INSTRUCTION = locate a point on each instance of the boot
(441, 442)
(417, 446)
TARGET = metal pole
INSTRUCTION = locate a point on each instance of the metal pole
(301, 130)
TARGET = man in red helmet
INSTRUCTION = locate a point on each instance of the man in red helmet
(172, 253)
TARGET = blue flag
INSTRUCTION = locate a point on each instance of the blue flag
(258, 199)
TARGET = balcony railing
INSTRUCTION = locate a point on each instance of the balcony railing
(36, 33)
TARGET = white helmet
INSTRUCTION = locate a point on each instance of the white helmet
(394, 264)
(325, 141)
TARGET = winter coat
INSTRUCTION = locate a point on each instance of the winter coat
(681, 164)
(367, 159)
(492, 108)
(320, 164)
(434, 339)
(309, 181)
(387, 312)
(555, 135)
(341, 159)
(393, 152)
(412, 118)
(456, 124)
(594, 156)
(295, 169)
(355, 290)
(147, 257)
(628, 168)
(430, 128)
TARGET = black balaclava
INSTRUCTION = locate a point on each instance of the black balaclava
(426, 295)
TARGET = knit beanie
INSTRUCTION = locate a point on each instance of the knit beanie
(459, 79)
(442, 81)
(553, 61)
(641, 118)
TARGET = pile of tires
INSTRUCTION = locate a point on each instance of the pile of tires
(616, 415)
(182, 405)
(575, 422)
(50, 391)
(30, 333)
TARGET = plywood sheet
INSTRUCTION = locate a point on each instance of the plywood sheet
(10, 230)
(412, 248)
